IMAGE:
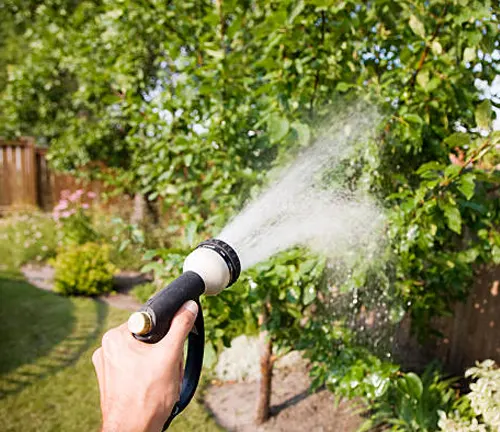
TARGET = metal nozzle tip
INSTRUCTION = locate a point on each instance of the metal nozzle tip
(139, 323)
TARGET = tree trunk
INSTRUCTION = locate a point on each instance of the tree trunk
(139, 212)
(145, 211)
(266, 370)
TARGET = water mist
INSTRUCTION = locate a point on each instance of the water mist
(298, 209)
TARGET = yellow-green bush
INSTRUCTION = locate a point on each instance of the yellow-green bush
(84, 270)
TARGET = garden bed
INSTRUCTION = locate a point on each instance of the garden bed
(293, 407)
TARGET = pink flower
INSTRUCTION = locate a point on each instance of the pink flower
(91, 195)
(85, 206)
(65, 194)
(66, 214)
(75, 196)
(62, 205)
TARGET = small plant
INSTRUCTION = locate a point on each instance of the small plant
(72, 217)
(84, 270)
(412, 403)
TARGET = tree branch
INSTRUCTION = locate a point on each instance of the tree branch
(423, 57)
(316, 78)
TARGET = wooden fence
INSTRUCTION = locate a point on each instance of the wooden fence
(470, 334)
(27, 182)
(18, 174)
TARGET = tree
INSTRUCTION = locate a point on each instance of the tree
(194, 101)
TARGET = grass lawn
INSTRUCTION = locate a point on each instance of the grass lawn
(47, 381)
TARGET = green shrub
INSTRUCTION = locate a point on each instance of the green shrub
(26, 237)
(412, 402)
(84, 270)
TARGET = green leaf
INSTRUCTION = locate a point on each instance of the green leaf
(483, 114)
(453, 218)
(296, 11)
(417, 26)
(190, 233)
(423, 78)
(495, 254)
(188, 159)
(430, 166)
(342, 87)
(150, 254)
(469, 55)
(217, 54)
(436, 47)
(124, 244)
(303, 133)
(467, 185)
(458, 139)
(278, 127)
(413, 118)
(414, 385)
(309, 295)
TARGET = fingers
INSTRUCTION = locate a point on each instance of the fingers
(98, 361)
(181, 326)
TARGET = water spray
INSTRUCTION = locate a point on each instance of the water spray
(295, 210)
(212, 266)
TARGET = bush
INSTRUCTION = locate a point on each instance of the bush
(413, 403)
(84, 270)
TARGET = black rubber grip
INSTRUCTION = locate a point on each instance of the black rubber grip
(163, 305)
(192, 369)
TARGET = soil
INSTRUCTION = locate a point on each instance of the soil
(293, 407)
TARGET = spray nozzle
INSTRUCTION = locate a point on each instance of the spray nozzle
(216, 262)
(211, 267)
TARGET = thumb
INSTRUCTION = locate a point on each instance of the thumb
(182, 324)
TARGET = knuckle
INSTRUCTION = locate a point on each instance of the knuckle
(184, 322)
(109, 338)
(96, 356)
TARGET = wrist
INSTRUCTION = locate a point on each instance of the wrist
(141, 421)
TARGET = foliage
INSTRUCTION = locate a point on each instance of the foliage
(83, 270)
(193, 101)
(25, 238)
(411, 403)
(143, 292)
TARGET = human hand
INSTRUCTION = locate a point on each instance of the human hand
(139, 383)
